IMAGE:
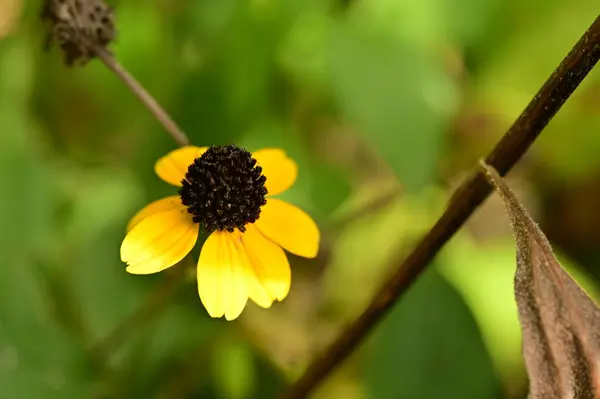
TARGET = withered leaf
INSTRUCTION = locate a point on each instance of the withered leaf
(559, 321)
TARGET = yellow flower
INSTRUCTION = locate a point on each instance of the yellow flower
(227, 191)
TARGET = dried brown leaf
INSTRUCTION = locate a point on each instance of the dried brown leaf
(559, 321)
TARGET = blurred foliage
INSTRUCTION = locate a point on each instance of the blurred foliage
(399, 368)
(370, 97)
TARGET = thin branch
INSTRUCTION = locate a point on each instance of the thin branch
(142, 94)
(553, 94)
(374, 205)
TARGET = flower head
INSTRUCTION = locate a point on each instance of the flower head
(227, 191)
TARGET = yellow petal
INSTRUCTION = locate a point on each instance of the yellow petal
(269, 263)
(159, 241)
(279, 170)
(256, 290)
(290, 227)
(173, 166)
(161, 205)
(221, 279)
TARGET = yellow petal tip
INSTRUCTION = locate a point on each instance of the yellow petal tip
(215, 315)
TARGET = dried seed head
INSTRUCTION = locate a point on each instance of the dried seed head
(78, 26)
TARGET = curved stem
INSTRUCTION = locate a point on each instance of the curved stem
(142, 94)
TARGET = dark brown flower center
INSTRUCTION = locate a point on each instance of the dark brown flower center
(224, 189)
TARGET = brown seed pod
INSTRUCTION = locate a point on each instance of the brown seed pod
(78, 27)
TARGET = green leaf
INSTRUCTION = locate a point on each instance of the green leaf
(511, 77)
(302, 54)
(231, 85)
(269, 380)
(240, 372)
(488, 292)
(234, 369)
(398, 99)
(429, 347)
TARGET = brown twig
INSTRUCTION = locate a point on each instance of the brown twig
(142, 94)
(553, 94)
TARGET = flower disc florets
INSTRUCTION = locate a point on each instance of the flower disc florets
(224, 189)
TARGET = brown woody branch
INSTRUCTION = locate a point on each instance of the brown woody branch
(553, 94)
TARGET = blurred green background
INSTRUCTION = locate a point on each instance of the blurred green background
(384, 104)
